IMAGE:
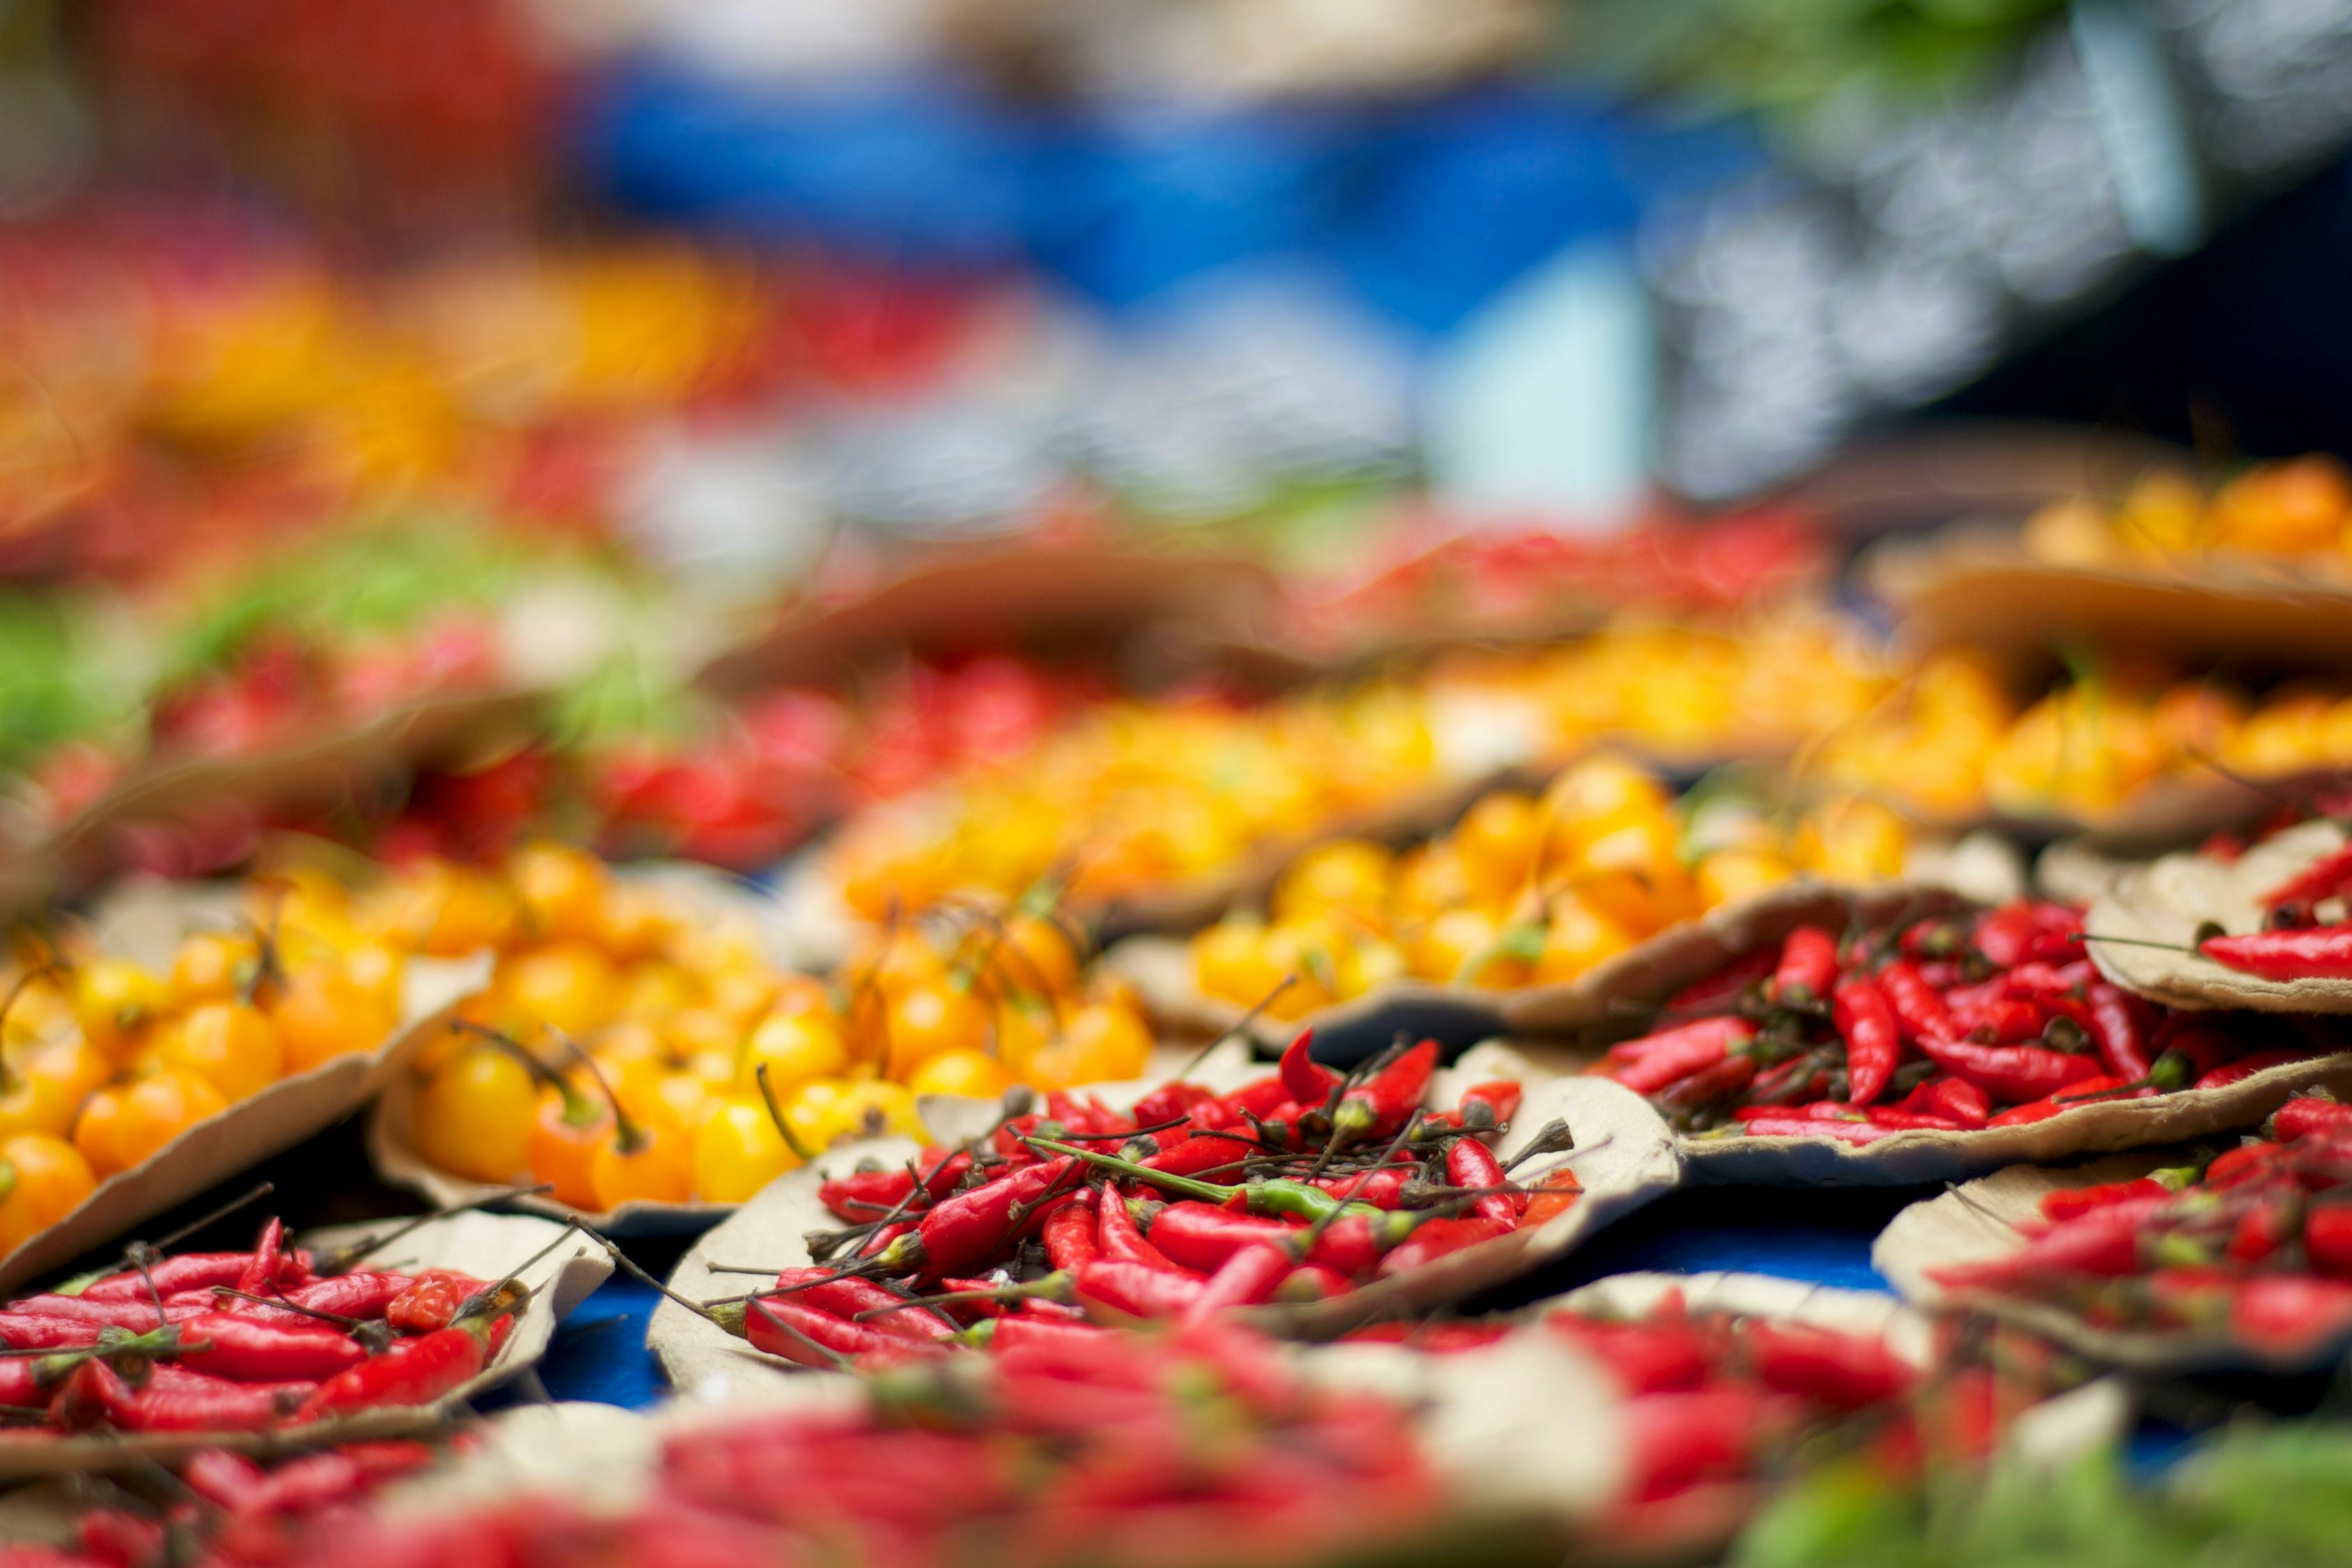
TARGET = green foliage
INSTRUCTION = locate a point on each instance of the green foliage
(376, 578)
(53, 684)
(1785, 55)
(2255, 1497)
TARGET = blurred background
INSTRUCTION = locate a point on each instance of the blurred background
(360, 350)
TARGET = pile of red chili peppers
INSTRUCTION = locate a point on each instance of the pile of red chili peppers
(1948, 1023)
(222, 1508)
(237, 1341)
(1130, 1450)
(2255, 1243)
(2308, 934)
(1302, 1185)
(1715, 1402)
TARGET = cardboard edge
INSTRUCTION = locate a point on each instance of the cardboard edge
(1918, 1156)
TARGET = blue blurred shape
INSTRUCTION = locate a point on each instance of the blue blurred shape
(1427, 207)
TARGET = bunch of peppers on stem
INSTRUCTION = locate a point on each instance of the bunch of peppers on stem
(2255, 1242)
(2307, 927)
(1300, 1186)
(240, 1342)
(1945, 1023)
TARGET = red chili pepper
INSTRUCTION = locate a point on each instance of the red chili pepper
(1471, 1164)
(413, 1372)
(2263, 1229)
(1171, 1101)
(2052, 982)
(1642, 1357)
(2118, 1023)
(863, 1196)
(1808, 966)
(96, 1392)
(2086, 1092)
(1021, 1332)
(2324, 878)
(1306, 1081)
(1953, 1099)
(1719, 1081)
(2323, 953)
(1501, 1099)
(797, 1332)
(1711, 990)
(2020, 933)
(225, 1480)
(2103, 1242)
(1671, 1055)
(1204, 1236)
(1383, 1103)
(1256, 1099)
(245, 1349)
(1313, 1283)
(2000, 1020)
(2243, 1163)
(2308, 1116)
(1137, 1290)
(1248, 1278)
(1195, 1156)
(1070, 1234)
(1865, 1021)
(2289, 1310)
(1436, 1238)
(1918, 1010)
(1116, 1234)
(2071, 1202)
(1843, 1372)
(848, 1298)
(1674, 1440)
(2244, 1068)
(186, 1272)
(30, 1331)
(2327, 1238)
(1383, 1188)
(964, 1232)
(133, 1315)
(261, 1269)
(431, 1300)
(364, 1294)
(881, 1240)
(2010, 1073)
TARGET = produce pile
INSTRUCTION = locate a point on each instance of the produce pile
(1529, 889)
(1935, 1022)
(246, 1341)
(1300, 1186)
(2254, 1242)
(1739, 879)
(1125, 1451)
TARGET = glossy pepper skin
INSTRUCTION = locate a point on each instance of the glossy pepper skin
(2323, 953)
(1873, 1046)
(1384, 1102)
(2011, 1073)
(1656, 1061)
(1808, 967)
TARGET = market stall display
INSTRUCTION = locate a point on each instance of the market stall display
(2194, 1258)
(1909, 1042)
(161, 1353)
(1389, 1190)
